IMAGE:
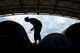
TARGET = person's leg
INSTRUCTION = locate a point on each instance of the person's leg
(35, 38)
(37, 34)
(39, 37)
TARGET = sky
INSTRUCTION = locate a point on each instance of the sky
(51, 24)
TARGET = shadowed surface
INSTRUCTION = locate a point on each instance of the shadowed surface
(73, 33)
(13, 35)
(55, 42)
(60, 7)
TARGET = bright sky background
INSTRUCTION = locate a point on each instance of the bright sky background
(51, 24)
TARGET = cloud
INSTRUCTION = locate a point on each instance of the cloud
(51, 24)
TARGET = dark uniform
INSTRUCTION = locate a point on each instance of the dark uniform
(37, 28)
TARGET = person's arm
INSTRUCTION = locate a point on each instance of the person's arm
(32, 28)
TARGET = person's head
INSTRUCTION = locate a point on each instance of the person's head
(27, 19)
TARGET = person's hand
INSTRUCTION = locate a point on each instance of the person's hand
(32, 29)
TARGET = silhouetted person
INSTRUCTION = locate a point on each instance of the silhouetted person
(13, 35)
(73, 33)
(55, 42)
(37, 25)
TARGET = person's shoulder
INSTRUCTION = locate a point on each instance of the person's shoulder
(33, 19)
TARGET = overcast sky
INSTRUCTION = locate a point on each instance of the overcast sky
(51, 24)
